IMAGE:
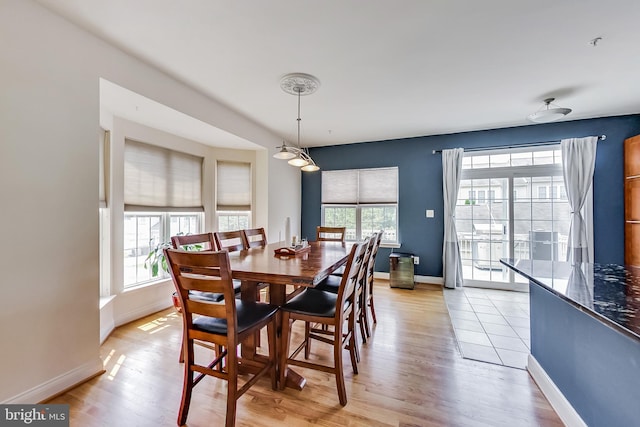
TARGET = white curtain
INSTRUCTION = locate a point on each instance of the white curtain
(451, 173)
(578, 164)
(580, 284)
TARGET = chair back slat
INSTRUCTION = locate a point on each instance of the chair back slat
(201, 308)
(330, 234)
(230, 241)
(254, 237)
(191, 282)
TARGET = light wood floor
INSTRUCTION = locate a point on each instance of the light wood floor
(411, 374)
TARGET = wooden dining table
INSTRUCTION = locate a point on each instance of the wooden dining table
(261, 265)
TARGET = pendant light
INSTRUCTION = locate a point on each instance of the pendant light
(298, 84)
(546, 114)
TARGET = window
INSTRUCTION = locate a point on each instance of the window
(362, 200)
(143, 232)
(162, 198)
(233, 195)
(532, 225)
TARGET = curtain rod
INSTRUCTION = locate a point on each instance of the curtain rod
(532, 144)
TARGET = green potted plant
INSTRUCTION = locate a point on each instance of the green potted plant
(156, 260)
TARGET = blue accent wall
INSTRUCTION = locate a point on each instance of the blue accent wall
(420, 182)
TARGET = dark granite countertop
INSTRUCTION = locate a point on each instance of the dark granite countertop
(609, 292)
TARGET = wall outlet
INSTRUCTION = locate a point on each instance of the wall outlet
(416, 260)
(430, 213)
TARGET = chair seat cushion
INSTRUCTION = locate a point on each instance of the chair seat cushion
(249, 314)
(236, 285)
(206, 296)
(314, 302)
(338, 272)
(330, 284)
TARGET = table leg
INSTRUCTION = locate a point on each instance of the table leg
(248, 291)
(278, 296)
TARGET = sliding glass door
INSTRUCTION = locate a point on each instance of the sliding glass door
(511, 204)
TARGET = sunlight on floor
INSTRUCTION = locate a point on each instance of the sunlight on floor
(157, 324)
(116, 366)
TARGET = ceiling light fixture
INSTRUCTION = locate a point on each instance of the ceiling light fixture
(298, 84)
(546, 114)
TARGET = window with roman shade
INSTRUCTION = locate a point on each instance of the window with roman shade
(362, 200)
(162, 198)
(233, 195)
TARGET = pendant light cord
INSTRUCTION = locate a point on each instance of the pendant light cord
(299, 119)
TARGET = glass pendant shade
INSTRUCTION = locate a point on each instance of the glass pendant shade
(284, 154)
(298, 161)
(548, 114)
(311, 167)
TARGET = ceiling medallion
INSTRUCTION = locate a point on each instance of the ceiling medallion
(299, 83)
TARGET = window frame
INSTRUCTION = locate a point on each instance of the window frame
(549, 168)
(228, 214)
(164, 239)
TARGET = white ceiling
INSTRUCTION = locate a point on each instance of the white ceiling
(388, 69)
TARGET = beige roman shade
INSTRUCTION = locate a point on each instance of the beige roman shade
(233, 186)
(360, 186)
(159, 179)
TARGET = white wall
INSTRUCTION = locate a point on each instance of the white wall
(49, 126)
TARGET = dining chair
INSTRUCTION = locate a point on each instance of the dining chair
(195, 242)
(368, 297)
(233, 241)
(225, 323)
(254, 237)
(332, 284)
(330, 234)
(314, 306)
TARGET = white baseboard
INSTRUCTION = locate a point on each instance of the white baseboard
(418, 279)
(105, 330)
(59, 384)
(107, 324)
(141, 312)
(560, 404)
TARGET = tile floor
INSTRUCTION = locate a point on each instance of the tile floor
(491, 325)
